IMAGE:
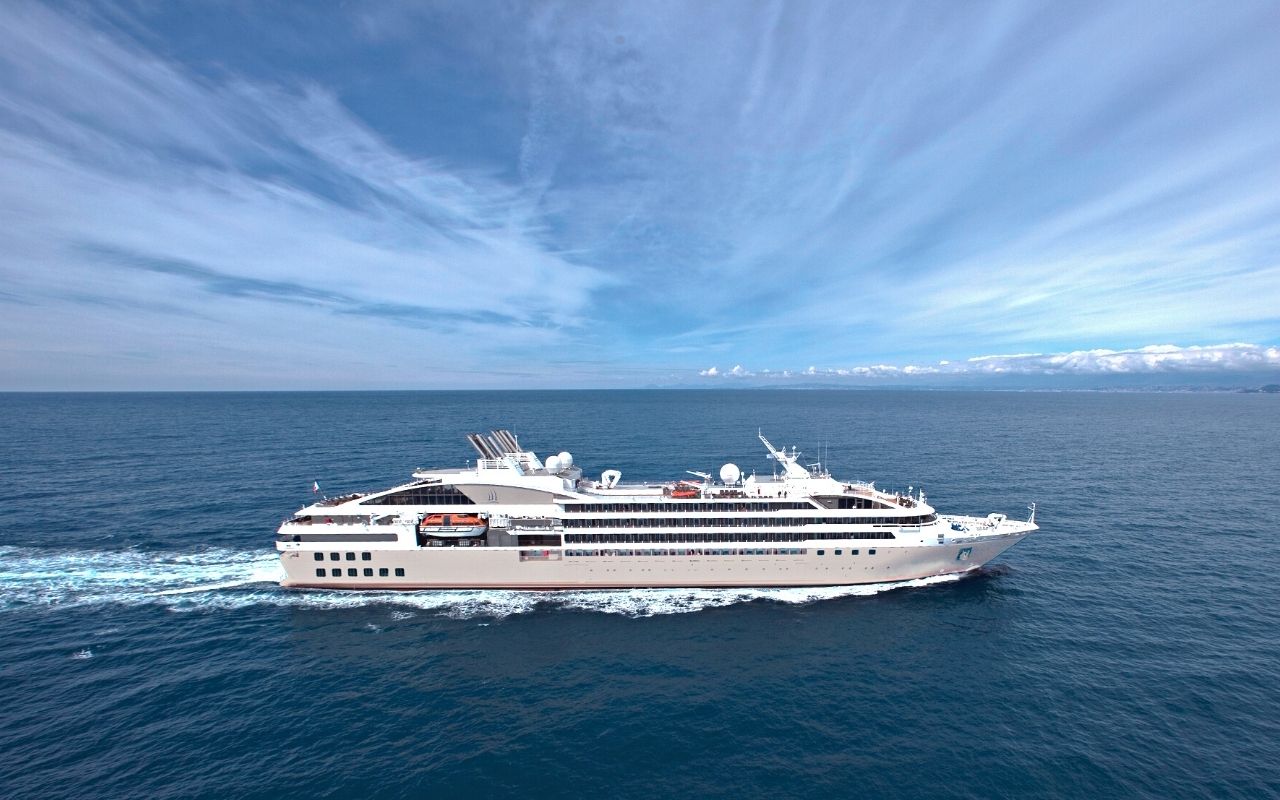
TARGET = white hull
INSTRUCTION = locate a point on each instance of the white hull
(503, 568)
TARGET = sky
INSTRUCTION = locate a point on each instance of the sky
(369, 195)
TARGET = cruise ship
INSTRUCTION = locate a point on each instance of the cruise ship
(514, 521)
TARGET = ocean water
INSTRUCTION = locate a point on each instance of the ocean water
(1131, 648)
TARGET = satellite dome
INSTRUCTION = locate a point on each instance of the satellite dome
(566, 459)
(730, 473)
(553, 464)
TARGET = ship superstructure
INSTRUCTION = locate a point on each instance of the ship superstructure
(513, 520)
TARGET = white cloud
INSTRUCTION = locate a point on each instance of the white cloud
(737, 371)
(1152, 359)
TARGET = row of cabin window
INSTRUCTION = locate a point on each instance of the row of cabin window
(749, 551)
(634, 508)
(421, 496)
(350, 556)
(352, 572)
(742, 522)
(721, 536)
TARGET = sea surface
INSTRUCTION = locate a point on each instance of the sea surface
(1131, 648)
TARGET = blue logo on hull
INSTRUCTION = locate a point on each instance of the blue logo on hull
(964, 554)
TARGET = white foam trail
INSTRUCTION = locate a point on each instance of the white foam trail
(217, 579)
(32, 576)
(210, 587)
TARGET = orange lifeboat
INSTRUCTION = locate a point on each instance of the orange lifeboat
(684, 490)
(453, 525)
(451, 520)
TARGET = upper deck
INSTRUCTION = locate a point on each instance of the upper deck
(506, 477)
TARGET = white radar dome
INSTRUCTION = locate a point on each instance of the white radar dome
(730, 473)
(553, 464)
(566, 459)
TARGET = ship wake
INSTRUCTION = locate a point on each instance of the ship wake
(216, 579)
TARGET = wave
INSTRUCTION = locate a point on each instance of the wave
(217, 579)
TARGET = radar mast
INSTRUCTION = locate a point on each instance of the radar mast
(789, 466)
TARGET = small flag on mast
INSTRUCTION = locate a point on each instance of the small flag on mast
(315, 487)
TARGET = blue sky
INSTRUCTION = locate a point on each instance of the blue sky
(369, 195)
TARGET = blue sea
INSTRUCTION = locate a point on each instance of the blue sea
(1131, 648)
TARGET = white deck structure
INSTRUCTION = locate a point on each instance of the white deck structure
(515, 521)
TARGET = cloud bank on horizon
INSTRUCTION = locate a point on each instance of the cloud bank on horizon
(576, 194)
(1150, 360)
